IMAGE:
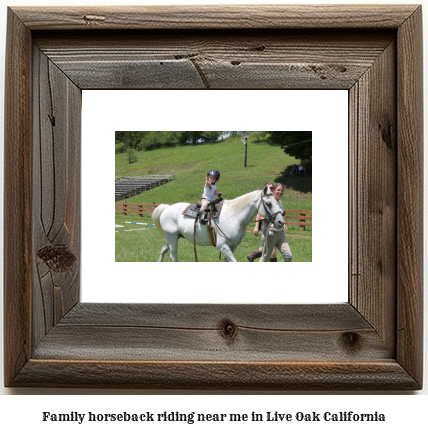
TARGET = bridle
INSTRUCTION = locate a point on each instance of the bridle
(271, 217)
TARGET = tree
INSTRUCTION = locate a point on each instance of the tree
(132, 155)
(211, 136)
(297, 144)
(259, 136)
(120, 148)
(149, 140)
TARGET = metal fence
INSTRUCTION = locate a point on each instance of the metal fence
(130, 186)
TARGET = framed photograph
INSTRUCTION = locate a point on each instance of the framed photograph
(136, 241)
(371, 341)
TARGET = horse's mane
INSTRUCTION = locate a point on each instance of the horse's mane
(240, 202)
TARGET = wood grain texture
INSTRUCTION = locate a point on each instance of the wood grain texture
(199, 332)
(56, 197)
(410, 196)
(17, 199)
(217, 17)
(385, 375)
(216, 59)
(372, 342)
(373, 161)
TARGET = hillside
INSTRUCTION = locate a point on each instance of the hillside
(190, 164)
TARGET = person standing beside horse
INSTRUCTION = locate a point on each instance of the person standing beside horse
(259, 221)
(210, 190)
(275, 236)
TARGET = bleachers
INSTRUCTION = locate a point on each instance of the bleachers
(127, 187)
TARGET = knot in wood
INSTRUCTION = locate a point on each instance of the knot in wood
(258, 48)
(351, 340)
(386, 134)
(94, 18)
(58, 259)
(228, 329)
(186, 56)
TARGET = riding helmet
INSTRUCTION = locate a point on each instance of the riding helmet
(214, 173)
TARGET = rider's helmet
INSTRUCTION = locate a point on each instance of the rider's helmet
(214, 173)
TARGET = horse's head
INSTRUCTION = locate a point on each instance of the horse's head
(269, 208)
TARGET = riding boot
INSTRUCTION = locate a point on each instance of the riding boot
(256, 254)
(273, 260)
(202, 218)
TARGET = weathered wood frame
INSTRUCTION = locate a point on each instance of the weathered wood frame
(372, 342)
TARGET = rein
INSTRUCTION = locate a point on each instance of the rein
(227, 238)
(194, 238)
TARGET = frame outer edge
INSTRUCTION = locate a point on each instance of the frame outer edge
(410, 195)
(223, 375)
(216, 17)
(17, 213)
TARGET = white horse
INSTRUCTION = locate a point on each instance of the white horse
(230, 226)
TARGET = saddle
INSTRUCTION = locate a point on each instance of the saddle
(213, 210)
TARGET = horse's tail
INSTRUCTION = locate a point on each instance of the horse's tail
(156, 217)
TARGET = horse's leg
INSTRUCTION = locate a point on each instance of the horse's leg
(227, 253)
(164, 249)
(232, 249)
(173, 244)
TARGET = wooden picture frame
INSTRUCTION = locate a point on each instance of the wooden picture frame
(372, 342)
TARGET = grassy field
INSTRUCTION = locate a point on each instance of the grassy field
(190, 164)
(142, 243)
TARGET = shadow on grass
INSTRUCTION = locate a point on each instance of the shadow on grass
(297, 183)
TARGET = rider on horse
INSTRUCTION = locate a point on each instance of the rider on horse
(210, 190)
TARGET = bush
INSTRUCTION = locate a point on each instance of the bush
(120, 148)
(158, 139)
(132, 155)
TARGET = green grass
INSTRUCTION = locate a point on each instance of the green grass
(144, 244)
(190, 164)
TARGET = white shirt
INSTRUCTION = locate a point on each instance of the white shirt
(209, 192)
